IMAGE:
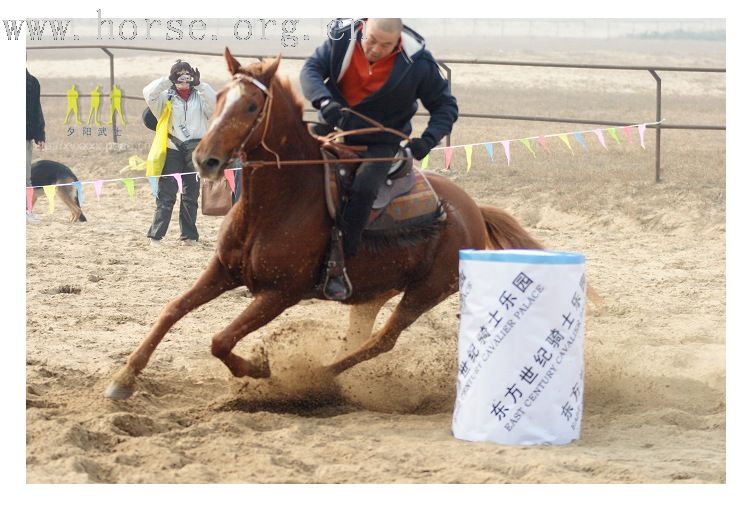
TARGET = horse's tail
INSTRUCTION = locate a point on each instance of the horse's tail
(504, 232)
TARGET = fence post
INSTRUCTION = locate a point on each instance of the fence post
(449, 80)
(658, 126)
(112, 84)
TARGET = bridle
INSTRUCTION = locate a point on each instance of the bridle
(265, 109)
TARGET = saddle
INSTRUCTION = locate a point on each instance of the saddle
(406, 210)
(406, 200)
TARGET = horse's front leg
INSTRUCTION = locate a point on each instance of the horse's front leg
(264, 307)
(212, 282)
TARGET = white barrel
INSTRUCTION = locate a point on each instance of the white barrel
(520, 357)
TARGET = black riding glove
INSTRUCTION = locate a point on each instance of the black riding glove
(419, 147)
(332, 112)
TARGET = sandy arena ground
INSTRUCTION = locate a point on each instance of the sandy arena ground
(655, 352)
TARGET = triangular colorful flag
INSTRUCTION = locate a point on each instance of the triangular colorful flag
(153, 183)
(50, 192)
(599, 134)
(489, 150)
(505, 144)
(179, 180)
(447, 157)
(580, 139)
(128, 185)
(424, 162)
(230, 176)
(469, 156)
(564, 138)
(628, 132)
(79, 192)
(641, 131)
(29, 199)
(542, 142)
(98, 187)
(612, 133)
(526, 142)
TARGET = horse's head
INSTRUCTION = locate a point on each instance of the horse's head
(239, 117)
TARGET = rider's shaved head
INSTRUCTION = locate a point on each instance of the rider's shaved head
(390, 25)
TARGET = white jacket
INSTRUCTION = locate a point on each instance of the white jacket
(193, 115)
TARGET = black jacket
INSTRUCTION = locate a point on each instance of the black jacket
(415, 75)
(34, 117)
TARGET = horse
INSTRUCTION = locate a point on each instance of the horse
(275, 238)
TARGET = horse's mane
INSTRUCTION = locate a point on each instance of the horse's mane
(282, 84)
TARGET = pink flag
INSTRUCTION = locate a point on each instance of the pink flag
(179, 179)
(447, 157)
(641, 130)
(230, 176)
(599, 134)
(29, 198)
(628, 133)
(542, 142)
(98, 187)
(506, 151)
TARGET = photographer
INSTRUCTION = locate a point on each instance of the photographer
(192, 104)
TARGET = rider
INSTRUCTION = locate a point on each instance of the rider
(380, 68)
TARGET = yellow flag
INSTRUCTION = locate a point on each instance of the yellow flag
(158, 152)
(469, 155)
(564, 138)
(49, 192)
(424, 163)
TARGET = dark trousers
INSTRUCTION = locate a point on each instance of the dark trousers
(368, 180)
(167, 189)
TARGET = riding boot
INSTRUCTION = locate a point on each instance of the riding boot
(354, 220)
(337, 286)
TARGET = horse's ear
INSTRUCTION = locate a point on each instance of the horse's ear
(233, 65)
(271, 68)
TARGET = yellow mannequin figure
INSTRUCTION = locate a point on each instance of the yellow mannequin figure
(115, 96)
(72, 95)
(94, 110)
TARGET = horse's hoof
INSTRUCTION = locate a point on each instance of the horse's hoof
(117, 391)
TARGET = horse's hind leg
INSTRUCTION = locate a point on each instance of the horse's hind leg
(264, 308)
(210, 284)
(362, 317)
(413, 304)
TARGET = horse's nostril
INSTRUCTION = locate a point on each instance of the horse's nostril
(211, 163)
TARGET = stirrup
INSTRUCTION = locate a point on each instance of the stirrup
(337, 286)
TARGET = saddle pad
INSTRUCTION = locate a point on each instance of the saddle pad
(415, 206)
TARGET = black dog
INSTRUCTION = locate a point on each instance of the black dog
(48, 172)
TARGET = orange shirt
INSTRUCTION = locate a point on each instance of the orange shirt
(361, 78)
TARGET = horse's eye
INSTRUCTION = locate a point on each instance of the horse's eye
(252, 108)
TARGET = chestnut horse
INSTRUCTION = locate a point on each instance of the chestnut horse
(275, 239)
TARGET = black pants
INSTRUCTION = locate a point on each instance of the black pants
(167, 189)
(368, 180)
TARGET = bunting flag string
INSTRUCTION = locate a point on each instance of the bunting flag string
(137, 164)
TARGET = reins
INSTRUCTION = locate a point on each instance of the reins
(323, 140)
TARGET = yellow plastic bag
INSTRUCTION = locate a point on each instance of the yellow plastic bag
(158, 152)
